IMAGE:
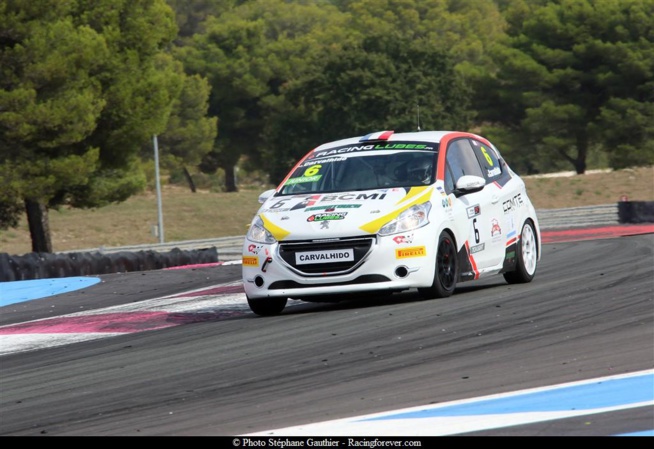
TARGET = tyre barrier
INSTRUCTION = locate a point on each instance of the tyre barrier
(57, 265)
(636, 211)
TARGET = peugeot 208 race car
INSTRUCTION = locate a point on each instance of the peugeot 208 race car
(388, 212)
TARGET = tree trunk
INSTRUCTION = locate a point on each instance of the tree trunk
(189, 179)
(582, 153)
(230, 179)
(39, 225)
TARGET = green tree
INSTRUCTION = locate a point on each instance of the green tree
(403, 64)
(191, 15)
(248, 53)
(576, 78)
(83, 85)
(384, 83)
(189, 133)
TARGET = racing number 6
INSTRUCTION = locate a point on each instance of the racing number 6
(474, 226)
(487, 156)
(313, 170)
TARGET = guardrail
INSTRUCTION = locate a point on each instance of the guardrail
(576, 217)
(229, 248)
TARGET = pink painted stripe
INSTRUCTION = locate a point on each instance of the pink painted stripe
(124, 323)
(569, 235)
(222, 290)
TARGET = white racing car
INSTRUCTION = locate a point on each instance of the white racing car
(388, 212)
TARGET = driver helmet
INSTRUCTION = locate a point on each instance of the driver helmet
(420, 170)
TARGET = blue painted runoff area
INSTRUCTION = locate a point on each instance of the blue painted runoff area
(589, 396)
(20, 291)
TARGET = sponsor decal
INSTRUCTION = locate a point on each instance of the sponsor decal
(265, 211)
(496, 231)
(302, 179)
(306, 202)
(446, 202)
(512, 204)
(369, 147)
(354, 197)
(399, 239)
(254, 249)
(340, 255)
(493, 172)
(327, 216)
(250, 261)
(510, 255)
(477, 248)
(324, 161)
(414, 251)
(343, 150)
(473, 211)
(334, 206)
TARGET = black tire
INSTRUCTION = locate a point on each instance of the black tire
(267, 306)
(526, 256)
(447, 269)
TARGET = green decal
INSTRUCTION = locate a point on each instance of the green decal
(302, 179)
(335, 206)
(401, 146)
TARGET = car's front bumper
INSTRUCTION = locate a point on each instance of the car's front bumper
(393, 263)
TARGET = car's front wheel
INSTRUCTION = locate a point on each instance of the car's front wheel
(267, 306)
(526, 255)
(447, 269)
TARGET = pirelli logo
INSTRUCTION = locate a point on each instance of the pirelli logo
(250, 261)
(413, 251)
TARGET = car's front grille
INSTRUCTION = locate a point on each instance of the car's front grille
(360, 246)
(365, 279)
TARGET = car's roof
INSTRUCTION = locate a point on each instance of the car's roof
(390, 136)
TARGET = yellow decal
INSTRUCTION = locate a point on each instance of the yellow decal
(487, 156)
(250, 261)
(276, 231)
(413, 192)
(414, 251)
(313, 170)
(374, 226)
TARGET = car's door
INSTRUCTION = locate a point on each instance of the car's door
(480, 212)
(502, 190)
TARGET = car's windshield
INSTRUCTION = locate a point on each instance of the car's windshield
(362, 171)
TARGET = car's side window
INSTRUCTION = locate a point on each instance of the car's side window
(461, 160)
(491, 166)
(449, 179)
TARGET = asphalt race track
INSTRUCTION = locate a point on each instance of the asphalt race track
(219, 370)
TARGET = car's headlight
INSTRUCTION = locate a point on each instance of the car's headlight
(413, 218)
(258, 233)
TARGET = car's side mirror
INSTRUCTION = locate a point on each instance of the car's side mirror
(469, 184)
(265, 195)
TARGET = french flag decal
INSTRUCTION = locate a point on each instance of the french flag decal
(381, 135)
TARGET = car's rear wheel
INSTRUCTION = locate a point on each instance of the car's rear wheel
(526, 256)
(447, 269)
(267, 306)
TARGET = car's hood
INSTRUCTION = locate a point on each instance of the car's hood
(341, 214)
